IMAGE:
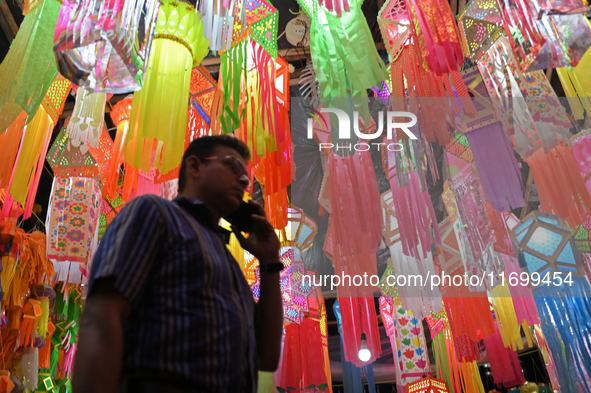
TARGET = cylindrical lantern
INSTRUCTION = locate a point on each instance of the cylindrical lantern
(159, 113)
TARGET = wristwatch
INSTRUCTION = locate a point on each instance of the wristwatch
(271, 267)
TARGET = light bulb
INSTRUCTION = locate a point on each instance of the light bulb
(364, 353)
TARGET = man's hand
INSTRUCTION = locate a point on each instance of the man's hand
(262, 241)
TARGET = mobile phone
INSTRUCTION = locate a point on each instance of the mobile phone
(242, 219)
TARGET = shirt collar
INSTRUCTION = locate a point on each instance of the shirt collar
(202, 214)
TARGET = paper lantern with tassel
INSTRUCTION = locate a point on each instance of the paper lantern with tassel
(72, 223)
(358, 62)
(29, 68)
(159, 112)
(106, 48)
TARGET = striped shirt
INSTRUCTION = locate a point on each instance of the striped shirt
(192, 310)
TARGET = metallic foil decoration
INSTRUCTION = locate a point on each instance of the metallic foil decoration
(104, 45)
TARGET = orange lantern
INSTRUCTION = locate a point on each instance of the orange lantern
(427, 385)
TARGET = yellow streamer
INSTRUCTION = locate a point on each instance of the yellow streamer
(36, 138)
(509, 326)
(577, 85)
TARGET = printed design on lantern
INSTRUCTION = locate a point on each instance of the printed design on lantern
(78, 208)
(72, 219)
(62, 193)
(77, 222)
(412, 354)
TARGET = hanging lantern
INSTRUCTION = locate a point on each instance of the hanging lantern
(395, 26)
(427, 385)
(107, 48)
(159, 114)
(545, 246)
(301, 230)
(29, 68)
(86, 123)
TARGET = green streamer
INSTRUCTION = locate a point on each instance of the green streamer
(29, 68)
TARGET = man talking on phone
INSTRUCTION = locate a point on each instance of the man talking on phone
(168, 309)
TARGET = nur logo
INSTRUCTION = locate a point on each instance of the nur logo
(344, 124)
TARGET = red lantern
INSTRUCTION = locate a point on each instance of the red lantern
(427, 385)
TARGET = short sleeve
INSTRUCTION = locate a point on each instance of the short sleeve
(129, 247)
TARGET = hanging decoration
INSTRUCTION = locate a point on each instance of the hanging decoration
(480, 24)
(202, 91)
(353, 62)
(420, 299)
(560, 186)
(106, 48)
(86, 123)
(29, 68)
(446, 363)
(412, 354)
(432, 96)
(497, 167)
(159, 111)
(545, 247)
(262, 20)
(358, 315)
(577, 87)
(395, 24)
(415, 212)
(29, 162)
(120, 114)
(438, 43)
(72, 225)
(356, 219)
(504, 363)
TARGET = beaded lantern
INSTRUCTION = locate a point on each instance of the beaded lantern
(159, 113)
(544, 245)
(107, 48)
(427, 385)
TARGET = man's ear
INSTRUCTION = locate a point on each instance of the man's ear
(193, 165)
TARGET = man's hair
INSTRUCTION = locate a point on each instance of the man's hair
(204, 147)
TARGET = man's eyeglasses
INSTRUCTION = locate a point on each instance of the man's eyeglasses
(237, 166)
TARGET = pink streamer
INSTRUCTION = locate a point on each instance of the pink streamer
(504, 363)
(416, 217)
